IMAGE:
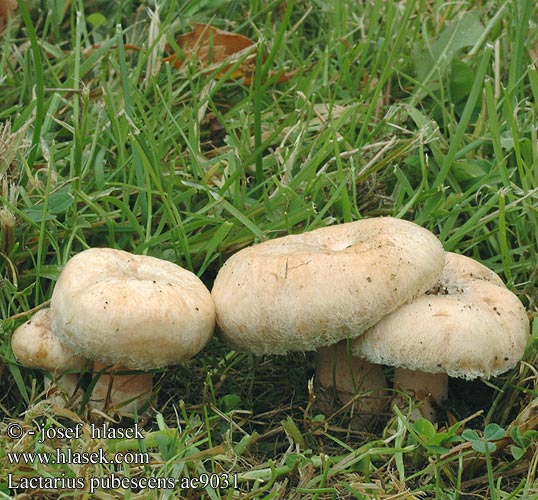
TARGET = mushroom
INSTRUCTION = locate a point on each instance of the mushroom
(468, 325)
(303, 292)
(35, 346)
(130, 312)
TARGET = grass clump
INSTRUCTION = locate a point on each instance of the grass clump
(422, 110)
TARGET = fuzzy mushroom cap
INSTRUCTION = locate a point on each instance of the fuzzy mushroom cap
(468, 325)
(35, 346)
(301, 292)
(139, 311)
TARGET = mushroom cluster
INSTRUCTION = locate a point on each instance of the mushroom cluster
(366, 294)
(124, 312)
(313, 290)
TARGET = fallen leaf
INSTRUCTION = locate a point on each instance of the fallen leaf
(212, 46)
(6, 8)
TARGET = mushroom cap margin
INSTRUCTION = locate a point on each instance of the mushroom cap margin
(36, 346)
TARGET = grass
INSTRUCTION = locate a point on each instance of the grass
(423, 110)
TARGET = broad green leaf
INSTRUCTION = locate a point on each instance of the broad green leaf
(424, 428)
(463, 33)
(443, 438)
(517, 452)
(437, 450)
(516, 436)
(57, 203)
(470, 435)
(494, 432)
(168, 444)
(483, 446)
(96, 19)
(229, 402)
(469, 170)
(293, 458)
(461, 81)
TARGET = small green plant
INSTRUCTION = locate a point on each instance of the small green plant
(522, 441)
(486, 445)
(433, 440)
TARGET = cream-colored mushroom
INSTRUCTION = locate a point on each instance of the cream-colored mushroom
(468, 325)
(132, 312)
(35, 346)
(303, 292)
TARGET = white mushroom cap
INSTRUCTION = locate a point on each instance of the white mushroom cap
(469, 325)
(300, 292)
(35, 346)
(135, 310)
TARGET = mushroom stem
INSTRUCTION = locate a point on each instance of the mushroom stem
(124, 394)
(350, 376)
(429, 389)
(63, 389)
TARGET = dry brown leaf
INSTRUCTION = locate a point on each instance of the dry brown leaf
(6, 7)
(212, 46)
